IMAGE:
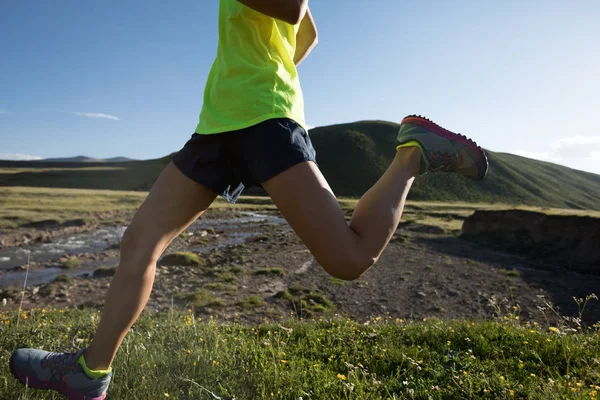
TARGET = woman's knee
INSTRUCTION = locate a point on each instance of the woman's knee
(349, 266)
(137, 253)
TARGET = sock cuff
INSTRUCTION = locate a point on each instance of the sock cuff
(93, 374)
(410, 143)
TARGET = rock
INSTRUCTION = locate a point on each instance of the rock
(104, 272)
(421, 294)
(35, 290)
(43, 237)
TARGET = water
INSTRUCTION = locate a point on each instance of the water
(89, 242)
(41, 276)
(99, 240)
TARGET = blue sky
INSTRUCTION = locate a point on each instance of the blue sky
(125, 78)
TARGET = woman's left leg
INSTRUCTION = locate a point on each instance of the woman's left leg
(306, 201)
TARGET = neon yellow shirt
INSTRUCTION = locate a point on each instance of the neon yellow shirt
(254, 77)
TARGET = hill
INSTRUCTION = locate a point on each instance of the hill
(352, 157)
(86, 159)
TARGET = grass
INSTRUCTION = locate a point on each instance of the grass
(269, 271)
(64, 278)
(337, 358)
(316, 302)
(182, 258)
(225, 276)
(202, 298)
(307, 301)
(337, 281)
(25, 205)
(238, 270)
(511, 272)
(224, 287)
(71, 262)
(20, 206)
(284, 294)
(251, 302)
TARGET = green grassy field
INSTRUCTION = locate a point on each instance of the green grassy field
(177, 357)
(352, 157)
(26, 205)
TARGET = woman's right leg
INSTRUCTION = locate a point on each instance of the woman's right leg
(174, 202)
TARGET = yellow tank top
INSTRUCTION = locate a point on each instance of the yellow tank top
(254, 77)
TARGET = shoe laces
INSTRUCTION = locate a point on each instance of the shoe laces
(441, 161)
(60, 364)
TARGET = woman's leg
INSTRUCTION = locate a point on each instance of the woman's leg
(306, 201)
(174, 202)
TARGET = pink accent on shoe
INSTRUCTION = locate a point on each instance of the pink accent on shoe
(427, 124)
(60, 387)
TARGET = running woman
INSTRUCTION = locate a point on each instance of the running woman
(251, 132)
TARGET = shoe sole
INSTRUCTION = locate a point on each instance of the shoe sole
(56, 386)
(445, 133)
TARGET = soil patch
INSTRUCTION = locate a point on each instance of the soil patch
(422, 274)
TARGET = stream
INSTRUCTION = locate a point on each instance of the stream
(99, 240)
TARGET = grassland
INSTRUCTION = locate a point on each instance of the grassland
(176, 356)
(173, 355)
(24, 206)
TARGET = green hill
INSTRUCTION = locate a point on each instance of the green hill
(352, 157)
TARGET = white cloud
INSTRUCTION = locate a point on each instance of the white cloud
(579, 152)
(577, 147)
(98, 115)
(572, 141)
(18, 157)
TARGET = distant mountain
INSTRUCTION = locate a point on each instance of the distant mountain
(352, 157)
(84, 159)
(119, 159)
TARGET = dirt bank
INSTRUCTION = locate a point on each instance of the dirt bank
(565, 242)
